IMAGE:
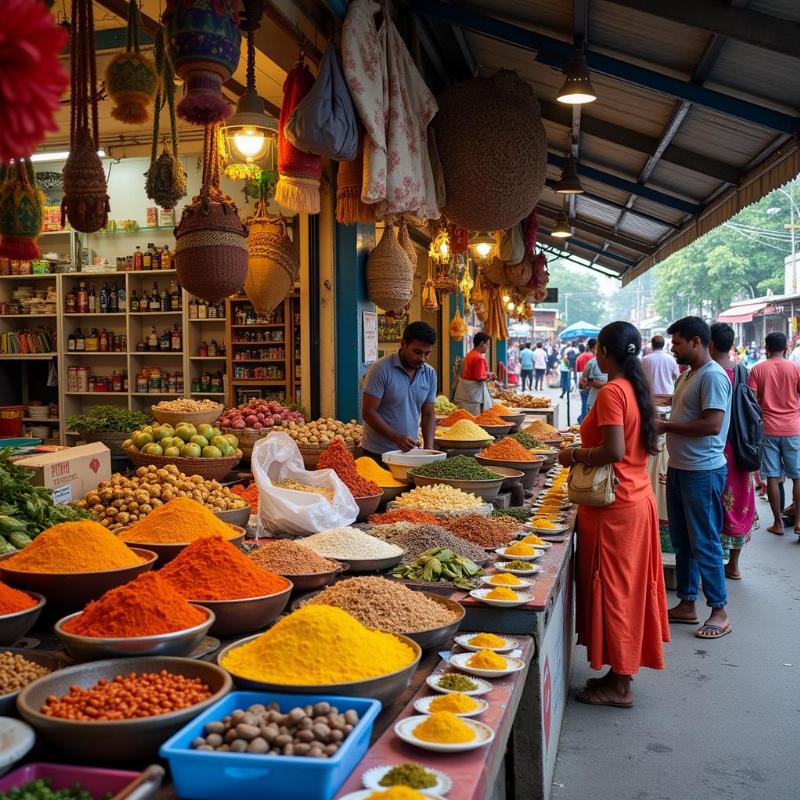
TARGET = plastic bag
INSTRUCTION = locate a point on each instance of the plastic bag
(277, 458)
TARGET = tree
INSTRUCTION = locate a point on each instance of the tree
(579, 295)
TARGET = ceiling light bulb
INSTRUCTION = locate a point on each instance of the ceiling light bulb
(562, 229)
(249, 142)
(506, 298)
(444, 248)
(577, 88)
(483, 249)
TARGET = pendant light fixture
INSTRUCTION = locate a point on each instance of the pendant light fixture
(577, 88)
(569, 183)
(482, 244)
(562, 230)
(250, 132)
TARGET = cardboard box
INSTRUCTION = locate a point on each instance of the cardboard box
(72, 472)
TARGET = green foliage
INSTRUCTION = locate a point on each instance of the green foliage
(108, 419)
(579, 296)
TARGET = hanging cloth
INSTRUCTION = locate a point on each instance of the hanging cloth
(350, 210)
(300, 173)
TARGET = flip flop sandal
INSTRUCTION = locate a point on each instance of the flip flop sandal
(720, 631)
(683, 620)
(733, 577)
(775, 533)
(598, 697)
(594, 683)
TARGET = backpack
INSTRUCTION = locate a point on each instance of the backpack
(746, 432)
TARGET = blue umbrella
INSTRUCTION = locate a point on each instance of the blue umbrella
(579, 330)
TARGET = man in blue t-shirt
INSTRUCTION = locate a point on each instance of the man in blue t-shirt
(696, 434)
(526, 365)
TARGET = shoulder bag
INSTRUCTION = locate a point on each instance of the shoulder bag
(591, 486)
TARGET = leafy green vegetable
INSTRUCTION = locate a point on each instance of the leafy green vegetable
(440, 564)
(108, 419)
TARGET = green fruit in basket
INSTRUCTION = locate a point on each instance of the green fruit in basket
(147, 429)
(172, 451)
(212, 452)
(207, 430)
(198, 439)
(127, 444)
(141, 439)
(162, 432)
(185, 431)
(191, 450)
(152, 449)
(219, 441)
(231, 440)
(227, 450)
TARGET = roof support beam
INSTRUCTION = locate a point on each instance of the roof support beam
(553, 250)
(718, 16)
(625, 185)
(593, 248)
(556, 53)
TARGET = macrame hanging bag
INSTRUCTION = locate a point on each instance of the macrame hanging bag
(21, 211)
(166, 180)
(404, 239)
(85, 203)
(273, 261)
(211, 241)
(131, 78)
(390, 276)
(204, 44)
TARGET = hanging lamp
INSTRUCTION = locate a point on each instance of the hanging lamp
(482, 244)
(577, 87)
(569, 183)
(562, 230)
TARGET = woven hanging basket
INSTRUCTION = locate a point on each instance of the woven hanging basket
(21, 212)
(85, 203)
(502, 110)
(404, 240)
(273, 262)
(390, 276)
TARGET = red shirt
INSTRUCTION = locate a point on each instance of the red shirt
(776, 383)
(475, 367)
(582, 360)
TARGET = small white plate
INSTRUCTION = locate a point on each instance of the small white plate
(423, 703)
(16, 739)
(541, 546)
(534, 568)
(372, 780)
(551, 531)
(521, 586)
(405, 731)
(480, 594)
(363, 794)
(484, 687)
(462, 640)
(459, 660)
(501, 551)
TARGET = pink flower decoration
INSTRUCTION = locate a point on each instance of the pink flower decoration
(32, 78)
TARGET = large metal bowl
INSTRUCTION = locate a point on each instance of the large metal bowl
(513, 476)
(393, 492)
(235, 617)
(373, 564)
(123, 740)
(399, 462)
(367, 505)
(515, 419)
(498, 430)
(15, 626)
(93, 648)
(316, 580)
(166, 552)
(473, 446)
(486, 490)
(72, 590)
(53, 661)
(238, 517)
(385, 688)
(436, 637)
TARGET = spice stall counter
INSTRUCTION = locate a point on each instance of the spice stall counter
(478, 774)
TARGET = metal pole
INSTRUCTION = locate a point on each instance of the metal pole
(791, 220)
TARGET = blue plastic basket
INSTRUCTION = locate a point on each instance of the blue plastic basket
(205, 775)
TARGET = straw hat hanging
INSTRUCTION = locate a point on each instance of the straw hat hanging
(210, 241)
(273, 261)
(503, 111)
(390, 276)
(85, 203)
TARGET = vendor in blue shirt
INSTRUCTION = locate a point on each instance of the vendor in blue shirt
(397, 390)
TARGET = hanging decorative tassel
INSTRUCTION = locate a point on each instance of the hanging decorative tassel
(21, 212)
(85, 202)
(131, 78)
(166, 180)
(210, 241)
(300, 173)
(458, 327)
(204, 45)
(349, 180)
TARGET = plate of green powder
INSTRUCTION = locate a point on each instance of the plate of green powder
(424, 779)
(457, 682)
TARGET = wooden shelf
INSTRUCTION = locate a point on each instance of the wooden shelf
(207, 319)
(207, 394)
(208, 358)
(47, 420)
(157, 353)
(96, 394)
(259, 382)
(36, 277)
(258, 325)
(154, 313)
(27, 356)
(97, 314)
(258, 361)
(28, 316)
(92, 353)
(155, 394)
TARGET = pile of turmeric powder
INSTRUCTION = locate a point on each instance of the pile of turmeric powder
(180, 521)
(372, 471)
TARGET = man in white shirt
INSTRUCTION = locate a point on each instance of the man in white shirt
(795, 354)
(661, 369)
(539, 365)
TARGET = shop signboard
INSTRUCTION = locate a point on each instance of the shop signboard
(370, 329)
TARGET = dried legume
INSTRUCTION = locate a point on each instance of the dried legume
(425, 537)
(462, 468)
(482, 531)
(288, 558)
(347, 544)
(16, 672)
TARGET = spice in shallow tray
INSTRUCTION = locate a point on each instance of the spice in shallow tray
(508, 449)
(72, 547)
(463, 431)
(461, 468)
(457, 416)
(372, 471)
(456, 682)
(520, 549)
(385, 605)
(179, 521)
(487, 640)
(132, 696)
(528, 441)
(16, 672)
(147, 606)
(518, 513)
(426, 537)
(501, 593)
(439, 497)
(521, 565)
(288, 558)
(490, 417)
(338, 458)
(403, 515)
(346, 544)
(505, 579)
(444, 727)
(13, 600)
(319, 645)
(440, 564)
(213, 569)
(296, 486)
(457, 702)
(397, 793)
(409, 774)
(487, 659)
(481, 531)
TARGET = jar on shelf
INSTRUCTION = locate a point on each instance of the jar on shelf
(203, 350)
(154, 380)
(141, 382)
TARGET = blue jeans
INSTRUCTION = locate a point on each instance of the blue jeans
(584, 404)
(694, 508)
(565, 383)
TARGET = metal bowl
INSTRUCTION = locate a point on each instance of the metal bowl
(235, 617)
(385, 688)
(373, 564)
(498, 430)
(399, 462)
(15, 626)
(93, 648)
(367, 505)
(72, 590)
(515, 419)
(316, 580)
(166, 552)
(486, 490)
(393, 492)
(447, 444)
(53, 661)
(116, 740)
(238, 517)
(513, 476)
(529, 469)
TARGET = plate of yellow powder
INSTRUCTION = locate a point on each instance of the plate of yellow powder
(506, 579)
(501, 596)
(458, 703)
(391, 793)
(486, 641)
(520, 551)
(486, 664)
(444, 732)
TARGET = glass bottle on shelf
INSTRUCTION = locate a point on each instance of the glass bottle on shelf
(164, 302)
(175, 343)
(80, 341)
(122, 298)
(71, 301)
(147, 257)
(137, 259)
(152, 339)
(251, 316)
(193, 309)
(202, 350)
(91, 299)
(212, 311)
(202, 309)
(71, 343)
(157, 257)
(92, 341)
(103, 339)
(113, 299)
(155, 299)
(212, 348)
(166, 258)
(174, 296)
(134, 302)
(164, 341)
(103, 300)
(83, 299)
